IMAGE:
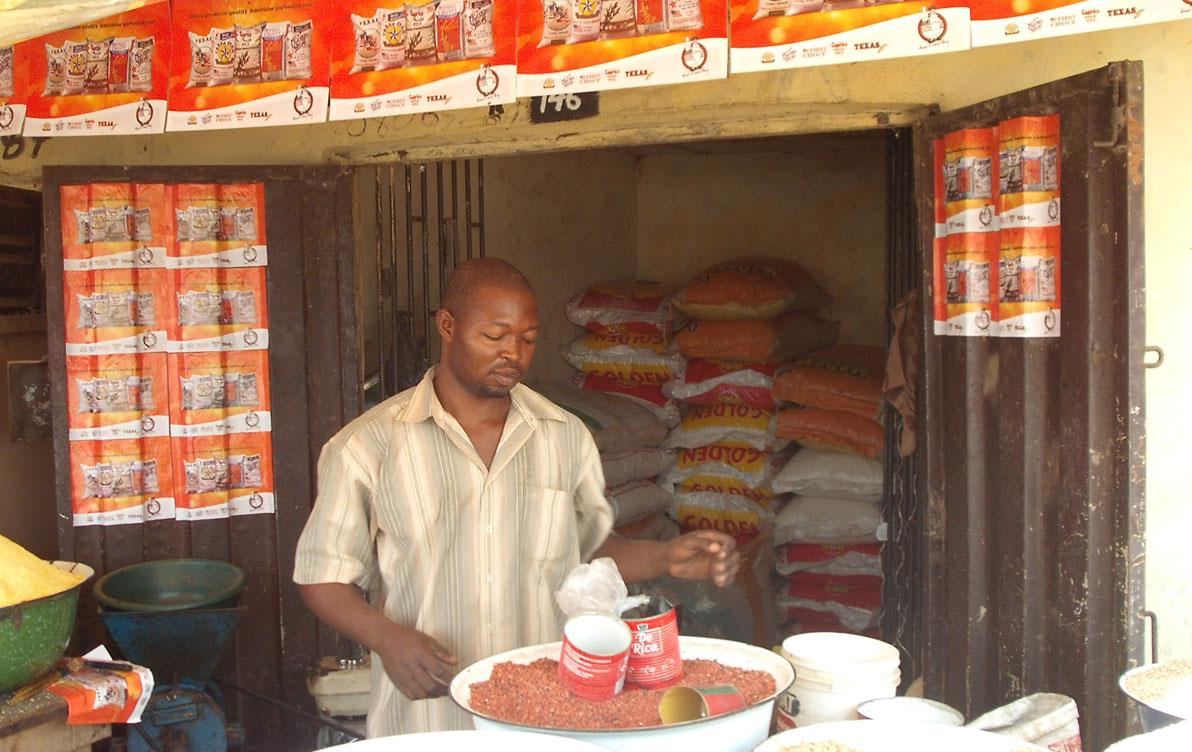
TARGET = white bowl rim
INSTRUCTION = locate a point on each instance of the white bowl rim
(781, 664)
(1142, 670)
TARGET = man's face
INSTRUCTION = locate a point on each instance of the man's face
(491, 343)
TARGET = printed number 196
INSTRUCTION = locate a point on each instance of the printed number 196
(560, 102)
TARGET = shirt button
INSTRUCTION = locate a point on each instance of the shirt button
(489, 578)
(488, 529)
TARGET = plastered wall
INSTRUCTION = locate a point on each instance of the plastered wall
(856, 96)
(26, 468)
(820, 202)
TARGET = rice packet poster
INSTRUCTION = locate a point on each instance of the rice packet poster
(12, 92)
(248, 63)
(116, 226)
(117, 397)
(121, 482)
(592, 45)
(771, 34)
(223, 476)
(107, 77)
(1006, 21)
(390, 58)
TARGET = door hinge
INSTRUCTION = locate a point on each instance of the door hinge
(1117, 116)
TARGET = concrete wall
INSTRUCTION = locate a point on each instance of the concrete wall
(856, 96)
(27, 504)
(818, 201)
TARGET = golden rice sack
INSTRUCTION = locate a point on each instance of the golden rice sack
(750, 288)
(24, 577)
(844, 377)
(774, 340)
(622, 302)
(833, 430)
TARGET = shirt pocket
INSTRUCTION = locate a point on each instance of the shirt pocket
(548, 523)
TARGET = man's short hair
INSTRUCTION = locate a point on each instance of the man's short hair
(469, 277)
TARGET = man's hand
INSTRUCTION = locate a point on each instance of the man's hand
(415, 662)
(704, 555)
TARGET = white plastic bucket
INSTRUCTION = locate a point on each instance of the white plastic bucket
(910, 710)
(834, 673)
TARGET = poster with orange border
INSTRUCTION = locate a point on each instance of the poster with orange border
(771, 34)
(1006, 21)
(219, 309)
(223, 476)
(117, 311)
(121, 482)
(214, 393)
(966, 255)
(219, 225)
(13, 91)
(389, 58)
(593, 45)
(107, 77)
(1029, 176)
(116, 226)
(117, 397)
(248, 63)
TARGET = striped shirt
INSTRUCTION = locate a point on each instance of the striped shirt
(467, 554)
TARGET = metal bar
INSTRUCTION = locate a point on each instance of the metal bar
(480, 200)
(468, 204)
(454, 213)
(410, 286)
(379, 311)
(424, 319)
(443, 233)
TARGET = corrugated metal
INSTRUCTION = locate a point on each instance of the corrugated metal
(21, 20)
(1034, 448)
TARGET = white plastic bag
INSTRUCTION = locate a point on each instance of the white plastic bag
(596, 588)
(1046, 719)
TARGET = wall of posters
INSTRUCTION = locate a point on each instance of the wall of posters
(1005, 21)
(102, 78)
(248, 63)
(389, 58)
(12, 92)
(997, 230)
(592, 45)
(769, 34)
(167, 339)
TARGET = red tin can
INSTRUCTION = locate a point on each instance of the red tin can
(595, 656)
(654, 661)
(681, 704)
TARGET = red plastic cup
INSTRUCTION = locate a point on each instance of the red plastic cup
(595, 656)
(654, 661)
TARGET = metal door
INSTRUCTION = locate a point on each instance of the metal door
(1033, 448)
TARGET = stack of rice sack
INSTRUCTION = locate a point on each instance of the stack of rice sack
(626, 347)
(748, 316)
(622, 359)
(828, 558)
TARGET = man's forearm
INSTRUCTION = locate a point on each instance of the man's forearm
(344, 609)
(638, 560)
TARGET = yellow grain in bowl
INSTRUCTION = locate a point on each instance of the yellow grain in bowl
(24, 577)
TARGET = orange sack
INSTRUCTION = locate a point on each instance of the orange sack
(773, 341)
(833, 430)
(843, 377)
(750, 288)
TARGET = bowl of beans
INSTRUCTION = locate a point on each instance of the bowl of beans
(518, 690)
(890, 736)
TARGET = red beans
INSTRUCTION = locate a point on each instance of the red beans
(531, 694)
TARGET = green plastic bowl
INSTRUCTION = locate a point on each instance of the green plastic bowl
(34, 634)
(170, 585)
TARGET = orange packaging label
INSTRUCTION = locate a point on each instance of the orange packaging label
(117, 396)
(642, 336)
(13, 92)
(213, 393)
(742, 525)
(106, 77)
(116, 226)
(736, 455)
(219, 225)
(248, 63)
(121, 481)
(102, 695)
(220, 309)
(117, 311)
(223, 476)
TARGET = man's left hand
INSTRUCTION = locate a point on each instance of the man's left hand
(704, 555)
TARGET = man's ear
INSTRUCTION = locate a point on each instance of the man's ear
(445, 323)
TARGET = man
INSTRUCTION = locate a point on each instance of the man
(470, 497)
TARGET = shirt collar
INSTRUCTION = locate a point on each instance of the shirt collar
(424, 403)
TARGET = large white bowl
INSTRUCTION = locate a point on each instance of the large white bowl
(467, 741)
(739, 731)
(894, 736)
